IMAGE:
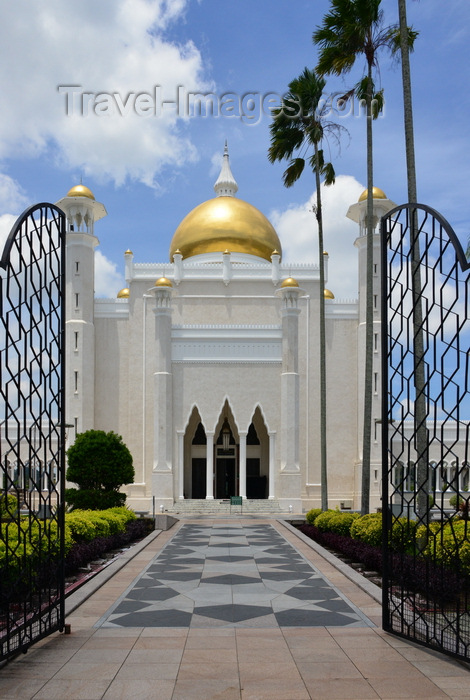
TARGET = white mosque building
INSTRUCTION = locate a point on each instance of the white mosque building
(208, 366)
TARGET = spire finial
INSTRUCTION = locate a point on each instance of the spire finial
(226, 184)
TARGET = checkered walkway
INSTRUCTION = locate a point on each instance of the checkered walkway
(231, 576)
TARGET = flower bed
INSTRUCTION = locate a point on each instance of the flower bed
(439, 570)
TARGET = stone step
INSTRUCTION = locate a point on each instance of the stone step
(203, 506)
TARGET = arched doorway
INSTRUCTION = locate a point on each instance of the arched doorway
(226, 463)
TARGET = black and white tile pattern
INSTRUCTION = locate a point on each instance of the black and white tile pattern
(231, 576)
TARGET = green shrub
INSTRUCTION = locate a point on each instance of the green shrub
(335, 521)
(9, 505)
(89, 499)
(312, 514)
(448, 545)
(99, 463)
(456, 501)
(368, 529)
(403, 535)
(86, 525)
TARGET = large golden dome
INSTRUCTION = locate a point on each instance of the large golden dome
(225, 223)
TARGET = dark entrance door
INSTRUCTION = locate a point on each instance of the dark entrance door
(225, 485)
(198, 489)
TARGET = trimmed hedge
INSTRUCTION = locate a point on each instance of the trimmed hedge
(312, 515)
(29, 550)
(335, 521)
(406, 570)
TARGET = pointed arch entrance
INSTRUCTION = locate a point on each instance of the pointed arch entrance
(228, 461)
(226, 456)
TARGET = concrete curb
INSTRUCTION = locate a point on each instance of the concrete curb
(75, 599)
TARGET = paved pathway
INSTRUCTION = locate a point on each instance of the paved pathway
(231, 575)
(236, 643)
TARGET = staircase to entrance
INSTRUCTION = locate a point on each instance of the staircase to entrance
(216, 506)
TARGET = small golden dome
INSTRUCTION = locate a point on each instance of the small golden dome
(275, 252)
(377, 193)
(123, 294)
(80, 191)
(328, 294)
(163, 282)
(289, 282)
(225, 223)
(128, 252)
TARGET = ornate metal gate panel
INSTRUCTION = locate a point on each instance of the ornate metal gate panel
(32, 429)
(425, 430)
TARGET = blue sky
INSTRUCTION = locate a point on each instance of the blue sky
(150, 171)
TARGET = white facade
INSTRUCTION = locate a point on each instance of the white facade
(209, 366)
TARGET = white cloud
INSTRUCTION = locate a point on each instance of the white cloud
(108, 281)
(113, 46)
(12, 196)
(6, 224)
(297, 229)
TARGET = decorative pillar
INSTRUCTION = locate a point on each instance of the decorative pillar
(290, 477)
(242, 468)
(226, 267)
(272, 457)
(358, 212)
(209, 465)
(275, 270)
(162, 473)
(180, 464)
(177, 267)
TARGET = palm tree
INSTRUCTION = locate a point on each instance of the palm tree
(355, 28)
(403, 42)
(299, 125)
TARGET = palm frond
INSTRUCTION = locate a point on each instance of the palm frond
(293, 172)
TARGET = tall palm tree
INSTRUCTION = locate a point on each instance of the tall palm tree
(351, 29)
(298, 125)
(403, 42)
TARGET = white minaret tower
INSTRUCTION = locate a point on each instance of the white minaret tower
(226, 185)
(81, 210)
(358, 213)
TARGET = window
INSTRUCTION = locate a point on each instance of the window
(76, 300)
(76, 340)
(252, 436)
(200, 436)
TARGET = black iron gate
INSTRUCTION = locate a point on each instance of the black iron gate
(32, 429)
(425, 430)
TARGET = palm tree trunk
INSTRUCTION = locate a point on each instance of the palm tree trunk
(420, 410)
(323, 446)
(368, 369)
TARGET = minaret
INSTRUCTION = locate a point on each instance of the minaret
(225, 185)
(358, 213)
(81, 211)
